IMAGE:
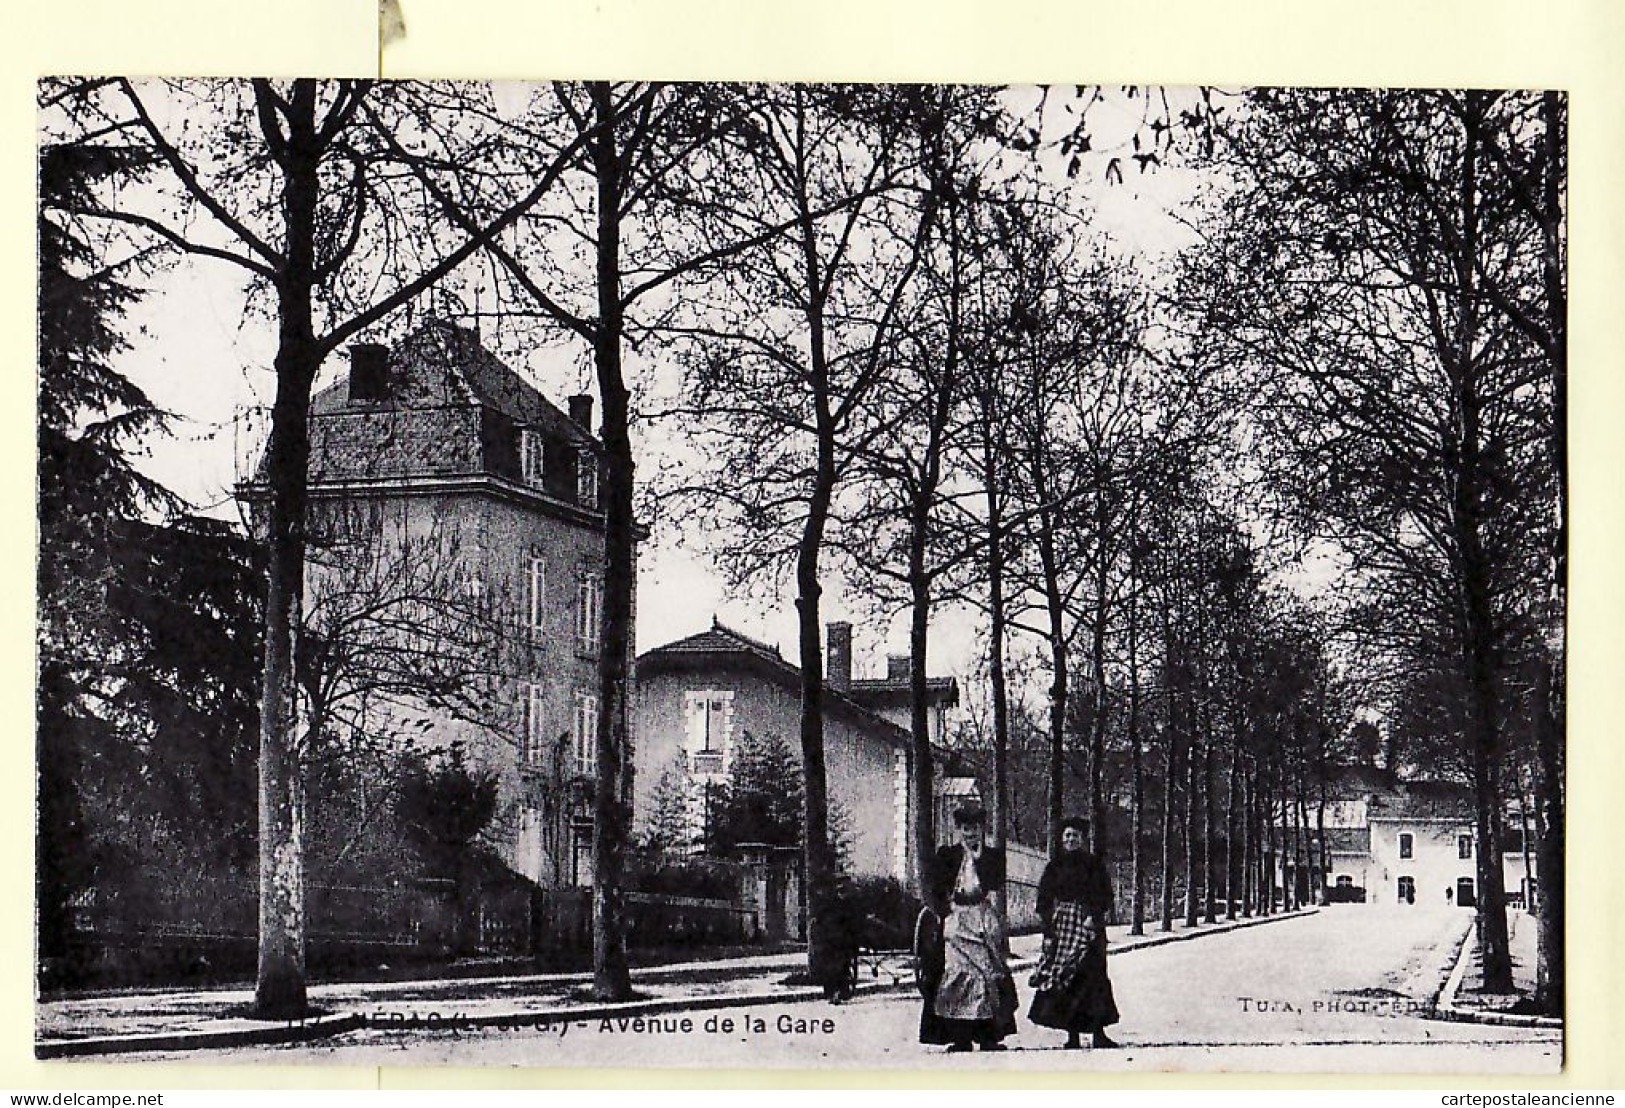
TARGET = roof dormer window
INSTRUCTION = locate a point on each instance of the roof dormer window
(587, 479)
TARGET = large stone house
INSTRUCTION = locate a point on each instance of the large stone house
(445, 483)
(697, 697)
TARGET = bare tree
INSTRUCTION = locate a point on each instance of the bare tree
(1071, 320)
(297, 185)
(789, 350)
(654, 209)
(912, 531)
(400, 622)
(1410, 411)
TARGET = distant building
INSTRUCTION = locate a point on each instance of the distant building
(1414, 842)
(698, 696)
(446, 453)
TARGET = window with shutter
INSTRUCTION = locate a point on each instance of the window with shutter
(535, 591)
(710, 719)
(532, 716)
(586, 734)
(589, 603)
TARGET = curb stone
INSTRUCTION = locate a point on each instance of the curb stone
(1445, 1006)
(384, 989)
(1211, 929)
(342, 1023)
(320, 1027)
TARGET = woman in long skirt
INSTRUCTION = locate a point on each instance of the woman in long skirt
(1074, 993)
(973, 999)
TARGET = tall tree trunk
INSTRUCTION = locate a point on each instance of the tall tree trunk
(1210, 900)
(1097, 661)
(1488, 797)
(991, 477)
(1289, 843)
(1055, 606)
(1169, 794)
(1231, 830)
(1550, 712)
(1271, 852)
(1474, 576)
(919, 577)
(1057, 744)
(919, 722)
(820, 860)
(1202, 722)
(1264, 890)
(1249, 843)
(823, 963)
(1302, 862)
(1171, 759)
(1325, 848)
(1058, 686)
(1311, 860)
(280, 983)
(612, 789)
(1193, 762)
(1549, 861)
(1137, 763)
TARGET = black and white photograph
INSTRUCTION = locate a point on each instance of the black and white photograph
(985, 578)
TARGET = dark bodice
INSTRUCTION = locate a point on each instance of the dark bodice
(1079, 877)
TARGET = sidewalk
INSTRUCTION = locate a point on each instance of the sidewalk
(1463, 997)
(181, 1020)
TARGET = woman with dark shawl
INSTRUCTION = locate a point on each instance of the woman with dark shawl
(1074, 894)
(969, 996)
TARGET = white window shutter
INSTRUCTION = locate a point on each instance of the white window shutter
(536, 719)
(536, 592)
(525, 710)
(695, 707)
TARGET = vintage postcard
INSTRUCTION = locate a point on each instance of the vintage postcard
(796, 575)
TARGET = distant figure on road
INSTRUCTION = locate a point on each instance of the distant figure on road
(1074, 994)
(974, 998)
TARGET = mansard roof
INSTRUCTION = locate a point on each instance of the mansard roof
(441, 364)
(444, 414)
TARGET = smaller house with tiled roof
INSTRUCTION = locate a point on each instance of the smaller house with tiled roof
(697, 697)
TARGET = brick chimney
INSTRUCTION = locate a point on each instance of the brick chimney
(897, 667)
(581, 411)
(369, 371)
(839, 664)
